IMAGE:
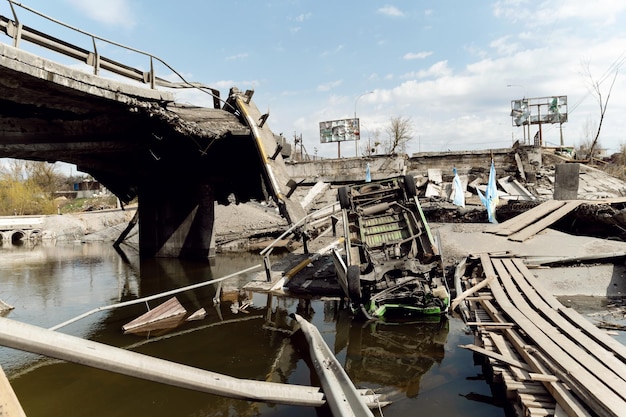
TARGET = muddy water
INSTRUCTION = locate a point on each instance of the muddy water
(418, 366)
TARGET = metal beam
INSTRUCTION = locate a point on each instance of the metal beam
(35, 339)
(343, 398)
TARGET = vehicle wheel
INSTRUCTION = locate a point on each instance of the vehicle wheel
(344, 198)
(354, 284)
(409, 186)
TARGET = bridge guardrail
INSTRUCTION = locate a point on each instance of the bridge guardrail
(18, 32)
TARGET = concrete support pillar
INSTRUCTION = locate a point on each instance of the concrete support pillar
(566, 181)
(176, 220)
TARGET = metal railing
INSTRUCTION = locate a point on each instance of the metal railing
(19, 32)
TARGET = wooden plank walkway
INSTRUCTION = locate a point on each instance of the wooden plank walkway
(551, 360)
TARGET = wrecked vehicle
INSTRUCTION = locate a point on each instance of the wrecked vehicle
(392, 269)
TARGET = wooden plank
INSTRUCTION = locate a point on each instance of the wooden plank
(543, 377)
(9, 404)
(583, 395)
(562, 395)
(536, 227)
(581, 322)
(505, 349)
(168, 311)
(601, 357)
(489, 324)
(470, 291)
(574, 351)
(539, 412)
(526, 218)
(598, 335)
(497, 356)
(604, 398)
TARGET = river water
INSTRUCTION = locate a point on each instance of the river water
(419, 366)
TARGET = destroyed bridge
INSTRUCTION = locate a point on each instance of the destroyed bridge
(133, 138)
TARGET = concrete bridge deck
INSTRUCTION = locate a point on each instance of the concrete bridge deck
(138, 142)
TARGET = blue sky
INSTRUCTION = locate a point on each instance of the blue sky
(450, 67)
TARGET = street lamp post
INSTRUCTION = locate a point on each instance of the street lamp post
(356, 141)
(524, 98)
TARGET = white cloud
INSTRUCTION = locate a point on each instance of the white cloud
(548, 12)
(389, 10)
(236, 57)
(504, 45)
(329, 86)
(114, 12)
(439, 69)
(334, 51)
(417, 55)
(302, 17)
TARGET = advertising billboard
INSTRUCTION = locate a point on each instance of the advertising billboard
(339, 130)
(539, 110)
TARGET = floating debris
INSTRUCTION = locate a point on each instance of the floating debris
(165, 316)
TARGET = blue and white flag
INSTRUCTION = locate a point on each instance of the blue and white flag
(368, 176)
(459, 192)
(490, 199)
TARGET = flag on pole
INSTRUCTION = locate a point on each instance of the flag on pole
(457, 187)
(490, 199)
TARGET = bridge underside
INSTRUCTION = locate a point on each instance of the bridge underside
(137, 142)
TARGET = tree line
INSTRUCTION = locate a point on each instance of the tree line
(29, 187)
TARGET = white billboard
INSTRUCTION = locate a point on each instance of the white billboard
(339, 130)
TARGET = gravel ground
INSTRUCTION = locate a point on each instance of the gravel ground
(234, 224)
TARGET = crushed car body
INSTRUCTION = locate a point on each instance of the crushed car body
(391, 269)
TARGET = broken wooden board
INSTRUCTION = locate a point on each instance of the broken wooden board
(545, 222)
(525, 219)
(166, 315)
(9, 403)
(531, 222)
(199, 314)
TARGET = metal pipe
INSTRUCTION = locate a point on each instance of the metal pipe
(152, 297)
(57, 345)
(341, 394)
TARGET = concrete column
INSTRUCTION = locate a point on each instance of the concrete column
(176, 220)
(566, 181)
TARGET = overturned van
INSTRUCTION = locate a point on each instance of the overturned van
(392, 269)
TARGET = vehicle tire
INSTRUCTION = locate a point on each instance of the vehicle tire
(354, 284)
(409, 186)
(344, 197)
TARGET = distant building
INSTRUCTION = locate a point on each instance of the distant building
(88, 189)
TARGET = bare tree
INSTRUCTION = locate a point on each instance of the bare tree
(594, 86)
(589, 130)
(399, 132)
(372, 144)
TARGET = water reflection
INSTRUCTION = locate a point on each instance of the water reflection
(393, 356)
(48, 285)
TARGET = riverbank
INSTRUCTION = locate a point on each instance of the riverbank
(236, 226)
